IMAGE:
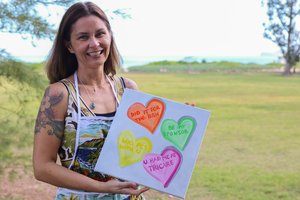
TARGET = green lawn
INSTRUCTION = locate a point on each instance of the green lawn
(251, 149)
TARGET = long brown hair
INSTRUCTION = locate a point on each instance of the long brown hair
(61, 63)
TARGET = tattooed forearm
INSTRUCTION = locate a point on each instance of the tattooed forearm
(45, 119)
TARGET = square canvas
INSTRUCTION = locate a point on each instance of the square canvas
(154, 142)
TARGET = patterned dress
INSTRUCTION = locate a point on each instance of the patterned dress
(92, 134)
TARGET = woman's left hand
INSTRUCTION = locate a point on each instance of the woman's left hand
(118, 187)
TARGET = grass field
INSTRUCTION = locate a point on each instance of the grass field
(252, 145)
(251, 149)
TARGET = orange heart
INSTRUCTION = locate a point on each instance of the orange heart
(149, 116)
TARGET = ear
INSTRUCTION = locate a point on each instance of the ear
(69, 46)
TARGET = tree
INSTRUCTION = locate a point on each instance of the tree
(22, 17)
(281, 29)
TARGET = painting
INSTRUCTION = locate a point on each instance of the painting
(154, 142)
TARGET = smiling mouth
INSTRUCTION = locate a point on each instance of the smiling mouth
(95, 53)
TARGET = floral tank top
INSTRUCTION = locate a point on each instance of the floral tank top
(90, 144)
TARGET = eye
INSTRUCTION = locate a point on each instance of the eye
(100, 34)
(83, 37)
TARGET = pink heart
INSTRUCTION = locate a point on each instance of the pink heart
(163, 167)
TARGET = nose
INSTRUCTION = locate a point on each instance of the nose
(94, 42)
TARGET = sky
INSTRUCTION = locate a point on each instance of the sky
(173, 28)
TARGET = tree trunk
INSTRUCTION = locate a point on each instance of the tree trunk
(287, 69)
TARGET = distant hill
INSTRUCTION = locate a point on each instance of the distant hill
(195, 67)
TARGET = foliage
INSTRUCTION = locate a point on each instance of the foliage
(23, 73)
(21, 87)
(281, 29)
(21, 16)
(17, 100)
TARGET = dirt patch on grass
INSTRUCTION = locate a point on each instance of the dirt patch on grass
(20, 184)
(27, 188)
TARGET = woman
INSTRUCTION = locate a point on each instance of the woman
(84, 88)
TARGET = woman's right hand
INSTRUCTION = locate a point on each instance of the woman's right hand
(118, 187)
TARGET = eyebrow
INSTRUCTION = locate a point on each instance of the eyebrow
(86, 33)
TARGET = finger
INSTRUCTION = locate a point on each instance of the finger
(144, 189)
(190, 104)
(135, 192)
(129, 185)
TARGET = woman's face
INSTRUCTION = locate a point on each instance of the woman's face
(90, 41)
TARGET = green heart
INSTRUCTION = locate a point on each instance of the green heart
(178, 133)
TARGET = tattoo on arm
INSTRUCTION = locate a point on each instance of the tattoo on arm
(45, 118)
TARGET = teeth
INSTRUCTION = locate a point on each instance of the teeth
(95, 53)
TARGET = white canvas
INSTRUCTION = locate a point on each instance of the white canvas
(154, 142)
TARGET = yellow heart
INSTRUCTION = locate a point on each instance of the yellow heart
(132, 150)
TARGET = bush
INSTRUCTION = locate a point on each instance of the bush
(22, 72)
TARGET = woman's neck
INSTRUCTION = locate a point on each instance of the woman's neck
(94, 78)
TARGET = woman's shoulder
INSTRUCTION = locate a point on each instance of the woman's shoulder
(57, 89)
(56, 99)
(58, 86)
(124, 82)
(63, 84)
(129, 83)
